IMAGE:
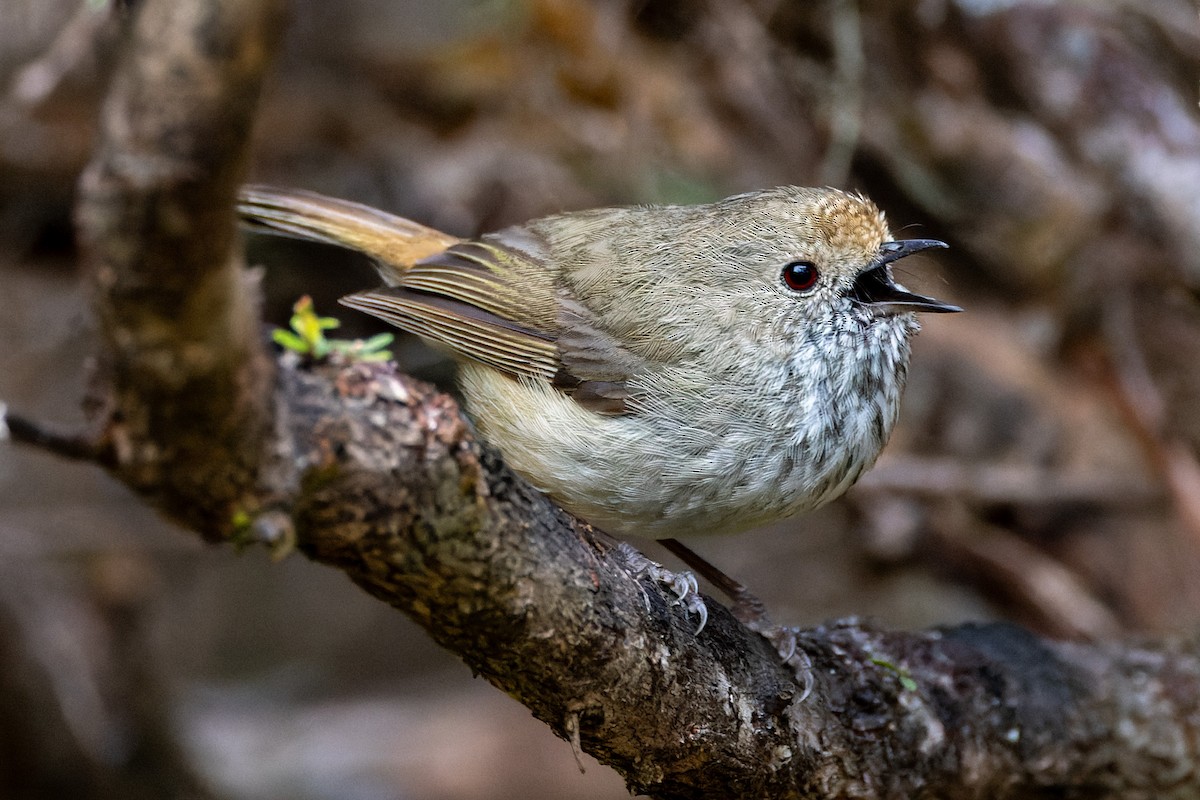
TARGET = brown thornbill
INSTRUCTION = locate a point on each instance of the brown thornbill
(658, 371)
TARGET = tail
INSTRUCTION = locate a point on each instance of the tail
(393, 242)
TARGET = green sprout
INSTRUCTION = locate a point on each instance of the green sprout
(242, 535)
(906, 681)
(307, 337)
(274, 529)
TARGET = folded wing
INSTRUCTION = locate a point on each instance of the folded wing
(492, 300)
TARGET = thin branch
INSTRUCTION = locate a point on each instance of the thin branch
(1045, 590)
(75, 43)
(845, 118)
(68, 444)
(1141, 403)
(1021, 484)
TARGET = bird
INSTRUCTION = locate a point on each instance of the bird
(660, 370)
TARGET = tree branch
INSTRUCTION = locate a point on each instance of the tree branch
(380, 477)
(188, 384)
(416, 513)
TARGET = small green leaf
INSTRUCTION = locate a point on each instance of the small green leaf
(307, 337)
(241, 536)
(906, 681)
(378, 342)
(289, 341)
(307, 326)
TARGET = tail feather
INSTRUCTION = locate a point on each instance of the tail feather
(393, 242)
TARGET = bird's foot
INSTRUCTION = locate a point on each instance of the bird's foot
(751, 612)
(785, 640)
(682, 585)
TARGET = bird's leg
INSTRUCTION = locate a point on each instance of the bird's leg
(681, 584)
(749, 610)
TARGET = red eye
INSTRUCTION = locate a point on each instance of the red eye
(800, 276)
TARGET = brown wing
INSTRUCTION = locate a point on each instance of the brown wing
(395, 243)
(494, 300)
(485, 301)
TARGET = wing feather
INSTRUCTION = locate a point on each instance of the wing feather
(393, 242)
(510, 283)
(466, 329)
(499, 305)
(495, 300)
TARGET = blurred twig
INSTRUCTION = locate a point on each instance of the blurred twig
(1024, 484)
(1143, 406)
(847, 97)
(1042, 590)
(69, 444)
(75, 43)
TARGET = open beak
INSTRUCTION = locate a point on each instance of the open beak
(874, 285)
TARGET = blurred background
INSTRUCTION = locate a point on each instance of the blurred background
(1045, 469)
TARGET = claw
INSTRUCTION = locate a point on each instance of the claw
(805, 676)
(693, 603)
(684, 585)
(786, 647)
(797, 660)
(681, 584)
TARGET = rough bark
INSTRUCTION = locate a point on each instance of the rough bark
(187, 385)
(379, 476)
(398, 496)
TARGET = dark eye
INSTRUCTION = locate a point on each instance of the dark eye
(800, 276)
